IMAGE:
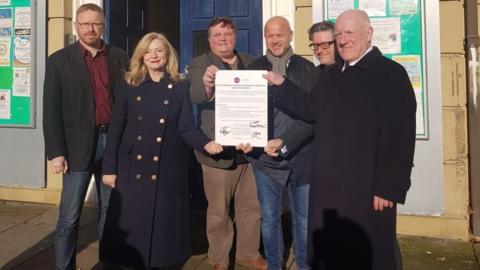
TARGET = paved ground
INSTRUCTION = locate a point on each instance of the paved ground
(26, 243)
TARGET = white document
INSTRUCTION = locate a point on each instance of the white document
(241, 107)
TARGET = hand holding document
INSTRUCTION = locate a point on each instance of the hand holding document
(241, 107)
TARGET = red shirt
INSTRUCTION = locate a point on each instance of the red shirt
(98, 70)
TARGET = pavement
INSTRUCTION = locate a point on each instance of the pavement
(26, 243)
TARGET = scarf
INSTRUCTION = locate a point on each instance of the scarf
(279, 64)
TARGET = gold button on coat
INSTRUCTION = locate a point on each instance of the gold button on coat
(155, 158)
(154, 177)
(165, 102)
(158, 139)
(139, 98)
(139, 137)
(162, 120)
(169, 86)
(139, 157)
(138, 176)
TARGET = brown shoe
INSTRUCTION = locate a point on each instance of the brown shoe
(257, 263)
(219, 267)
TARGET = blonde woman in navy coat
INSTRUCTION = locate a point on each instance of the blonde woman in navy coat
(145, 161)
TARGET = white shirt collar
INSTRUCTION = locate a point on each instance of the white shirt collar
(356, 61)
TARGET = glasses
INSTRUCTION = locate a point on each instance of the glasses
(324, 45)
(88, 25)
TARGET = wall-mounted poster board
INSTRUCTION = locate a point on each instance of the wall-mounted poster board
(398, 34)
(16, 95)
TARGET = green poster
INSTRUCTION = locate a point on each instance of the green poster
(15, 59)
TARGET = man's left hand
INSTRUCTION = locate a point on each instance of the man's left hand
(379, 203)
(273, 147)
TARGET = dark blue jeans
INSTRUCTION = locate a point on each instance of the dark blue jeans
(75, 184)
(270, 198)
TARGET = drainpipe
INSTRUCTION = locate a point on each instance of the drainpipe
(472, 42)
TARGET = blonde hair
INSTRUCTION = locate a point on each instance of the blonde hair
(138, 70)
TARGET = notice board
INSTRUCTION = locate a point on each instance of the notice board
(398, 33)
(16, 95)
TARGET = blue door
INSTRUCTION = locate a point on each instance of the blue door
(126, 23)
(196, 14)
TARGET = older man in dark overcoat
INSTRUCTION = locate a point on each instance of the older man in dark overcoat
(364, 114)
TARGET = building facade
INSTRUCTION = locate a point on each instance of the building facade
(29, 180)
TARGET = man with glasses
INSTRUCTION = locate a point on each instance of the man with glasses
(77, 102)
(323, 46)
(364, 113)
(322, 42)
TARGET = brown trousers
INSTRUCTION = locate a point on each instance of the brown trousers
(221, 186)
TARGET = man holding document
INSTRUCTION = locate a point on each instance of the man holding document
(287, 157)
(228, 175)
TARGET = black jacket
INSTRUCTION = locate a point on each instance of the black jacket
(69, 104)
(364, 145)
(296, 134)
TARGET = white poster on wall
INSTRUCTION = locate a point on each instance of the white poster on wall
(5, 112)
(22, 51)
(373, 7)
(21, 81)
(336, 7)
(387, 35)
(22, 21)
(5, 51)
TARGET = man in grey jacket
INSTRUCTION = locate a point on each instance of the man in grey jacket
(227, 176)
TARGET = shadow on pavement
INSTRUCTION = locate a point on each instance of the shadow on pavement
(41, 254)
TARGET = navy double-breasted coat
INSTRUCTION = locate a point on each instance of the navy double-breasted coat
(364, 143)
(148, 220)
